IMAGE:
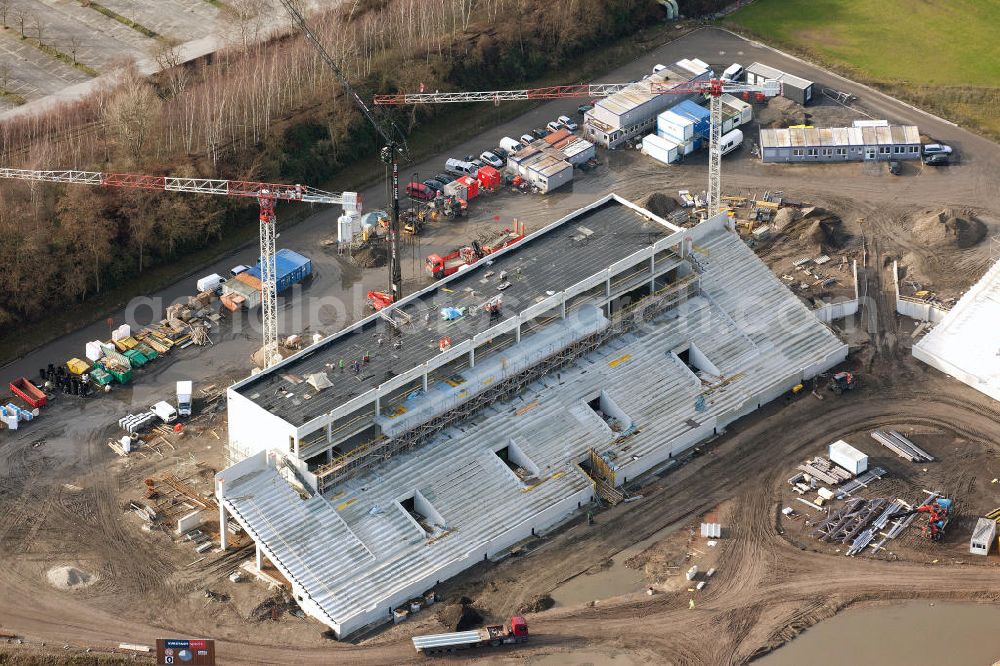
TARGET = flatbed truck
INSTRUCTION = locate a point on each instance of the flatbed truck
(515, 631)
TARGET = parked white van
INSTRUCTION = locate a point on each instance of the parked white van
(730, 141)
(511, 145)
(733, 73)
(460, 167)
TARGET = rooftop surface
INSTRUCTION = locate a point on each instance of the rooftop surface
(360, 549)
(548, 261)
(965, 344)
(839, 136)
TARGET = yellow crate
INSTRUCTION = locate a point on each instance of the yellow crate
(77, 366)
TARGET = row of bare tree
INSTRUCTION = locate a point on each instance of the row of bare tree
(244, 113)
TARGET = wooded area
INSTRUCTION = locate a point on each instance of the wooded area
(258, 110)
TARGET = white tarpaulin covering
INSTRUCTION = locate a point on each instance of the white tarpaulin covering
(965, 344)
(319, 381)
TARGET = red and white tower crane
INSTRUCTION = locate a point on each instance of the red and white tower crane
(713, 88)
(266, 194)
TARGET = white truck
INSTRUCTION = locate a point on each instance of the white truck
(165, 411)
(184, 398)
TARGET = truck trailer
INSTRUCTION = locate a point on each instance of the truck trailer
(516, 631)
(184, 398)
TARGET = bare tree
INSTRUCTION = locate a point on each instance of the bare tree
(132, 114)
(39, 27)
(19, 17)
(168, 56)
(4, 10)
(246, 20)
(74, 46)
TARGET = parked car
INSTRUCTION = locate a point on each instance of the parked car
(937, 149)
(940, 159)
(478, 163)
(526, 139)
(554, 126)
(658, 68)
(583, 108)
(568, 123)
(236, 270)
(540, 133)
(491, 159)
(500, 152)
(434, 185)
(419, 191)
(895, 167)
(444, 178)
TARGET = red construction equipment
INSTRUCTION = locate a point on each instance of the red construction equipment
(843, 381)
(939, 513)
(453, 262)
(378, 300)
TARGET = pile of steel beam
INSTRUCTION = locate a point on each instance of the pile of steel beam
(822, 469)
(901, 446)
(862, 481)
(846, 524)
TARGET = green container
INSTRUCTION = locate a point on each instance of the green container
(146, 351)
(136, 358)
(100, 376)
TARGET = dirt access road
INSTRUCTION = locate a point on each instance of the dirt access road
(767, 588)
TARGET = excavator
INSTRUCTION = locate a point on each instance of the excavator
(939, 513)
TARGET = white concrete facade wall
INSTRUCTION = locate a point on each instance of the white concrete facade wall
(252, 429)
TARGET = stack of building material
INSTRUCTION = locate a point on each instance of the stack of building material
(860, 482)
(901, 446)
(822, 469)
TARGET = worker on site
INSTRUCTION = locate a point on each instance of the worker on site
(356, 366)
(365, 357)
(341, 366)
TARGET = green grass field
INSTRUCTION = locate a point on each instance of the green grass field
(943, 55)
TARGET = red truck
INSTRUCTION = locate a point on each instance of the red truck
(516, 631)
(28, 392)
(452, 262)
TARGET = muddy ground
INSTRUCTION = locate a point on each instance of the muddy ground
(63, 492)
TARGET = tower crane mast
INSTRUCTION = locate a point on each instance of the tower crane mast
(394, 147)
(266, 194)
(713, 88)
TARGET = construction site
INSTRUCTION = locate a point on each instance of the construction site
(689, 388)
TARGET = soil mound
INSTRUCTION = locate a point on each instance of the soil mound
(952, 228)
(659, 204)
(70, 578)
(460, 617)
(537, 605)
(370, 257)
(784, 219)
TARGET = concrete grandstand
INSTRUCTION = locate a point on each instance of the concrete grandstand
(622, 342)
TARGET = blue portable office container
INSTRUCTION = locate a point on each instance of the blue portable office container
(291, 268)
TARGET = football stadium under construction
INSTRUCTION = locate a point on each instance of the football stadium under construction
(494, 404)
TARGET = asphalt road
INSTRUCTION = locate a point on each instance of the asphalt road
(336, 296)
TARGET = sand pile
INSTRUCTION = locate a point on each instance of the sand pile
(659, 204)
(70, 578)
(950, 228)
(781, 112)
